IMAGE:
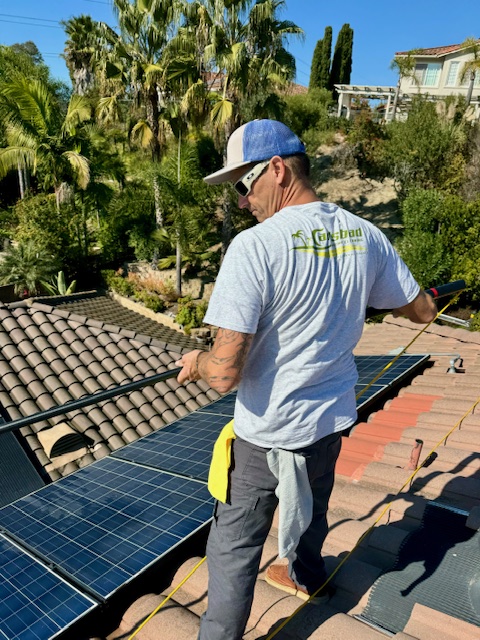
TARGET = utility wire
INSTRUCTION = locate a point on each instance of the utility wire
(12, 15)
(31, 24)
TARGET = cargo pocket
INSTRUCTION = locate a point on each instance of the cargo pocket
(232, 518)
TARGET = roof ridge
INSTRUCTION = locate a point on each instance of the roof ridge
(434, 329)
(99, 325)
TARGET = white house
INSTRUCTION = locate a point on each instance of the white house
(438, 73)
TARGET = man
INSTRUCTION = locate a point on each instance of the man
(290, 303)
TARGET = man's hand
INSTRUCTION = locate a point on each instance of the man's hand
(189, 364)
(221, 367)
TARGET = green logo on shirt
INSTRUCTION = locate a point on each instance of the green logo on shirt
(327, 244)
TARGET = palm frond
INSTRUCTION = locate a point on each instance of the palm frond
(108, 109)
(79, 110)
(80, 165)
(13, 157)
(142, 133)
(221, 113)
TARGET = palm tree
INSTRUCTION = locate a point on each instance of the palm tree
(81, 50)
(472, 66)
(245, 47)
(241, 45)
(188, 231)
(26, 266)
(133, 59)
(24, 60)
(405, 67)
(40, 138)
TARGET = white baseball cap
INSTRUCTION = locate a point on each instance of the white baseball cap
(255, 141)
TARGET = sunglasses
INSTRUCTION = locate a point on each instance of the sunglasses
(244, 185)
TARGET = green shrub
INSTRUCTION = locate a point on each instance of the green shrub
(117, 283)
(308, 110)
(423, 245)
(426, 151)
(150, 300)
(475, 322)
(190, 314)
(107, 276)
(440, 241)
(367, 138)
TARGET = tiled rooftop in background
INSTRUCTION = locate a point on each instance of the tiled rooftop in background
(115, 316)
(49, 356)
(432, 51)
(371, 469)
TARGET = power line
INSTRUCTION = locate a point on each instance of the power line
(11, 15)
(31, 24)
(307, 64)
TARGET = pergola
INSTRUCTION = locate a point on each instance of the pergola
(348, 91)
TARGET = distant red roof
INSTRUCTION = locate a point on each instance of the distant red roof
(437, 52)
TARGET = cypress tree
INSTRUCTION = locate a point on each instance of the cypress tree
(320, 70)
(326, 58)
(316, 63)
(342, 57)
(346, 62)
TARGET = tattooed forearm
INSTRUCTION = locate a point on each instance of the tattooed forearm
(222, 367)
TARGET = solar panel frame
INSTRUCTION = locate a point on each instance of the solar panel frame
(35, 602)
(107, 523)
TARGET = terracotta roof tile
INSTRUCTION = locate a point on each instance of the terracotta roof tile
(181, 410)
(34, 358)
(434, 51)
(156, 422)
(27, 376)
(9, 350)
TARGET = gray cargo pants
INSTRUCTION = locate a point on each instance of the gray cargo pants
(240, 527)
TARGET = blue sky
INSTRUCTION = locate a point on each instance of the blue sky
(380, 29)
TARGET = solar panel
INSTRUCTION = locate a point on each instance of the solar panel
(183, 447)
(224, 406)
(35, 603)
(106, 523)
(369, 367)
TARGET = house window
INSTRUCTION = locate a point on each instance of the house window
(452, 74)
(466, 80)
(427, 75)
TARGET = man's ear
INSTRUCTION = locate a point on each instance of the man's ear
(279, 167)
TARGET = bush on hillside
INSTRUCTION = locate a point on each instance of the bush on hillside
(190, 314)
(440, 241)
(309, 116)
(427, 151)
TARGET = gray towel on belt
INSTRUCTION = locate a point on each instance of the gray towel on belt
(295, 498)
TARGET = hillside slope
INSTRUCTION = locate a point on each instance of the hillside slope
(337, 180)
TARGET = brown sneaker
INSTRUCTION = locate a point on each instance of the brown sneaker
(277, 576)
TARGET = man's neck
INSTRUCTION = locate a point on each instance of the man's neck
(298, 193)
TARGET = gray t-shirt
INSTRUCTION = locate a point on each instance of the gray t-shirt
(300, 282)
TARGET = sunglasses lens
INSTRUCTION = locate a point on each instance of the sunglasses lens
(241, 188)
